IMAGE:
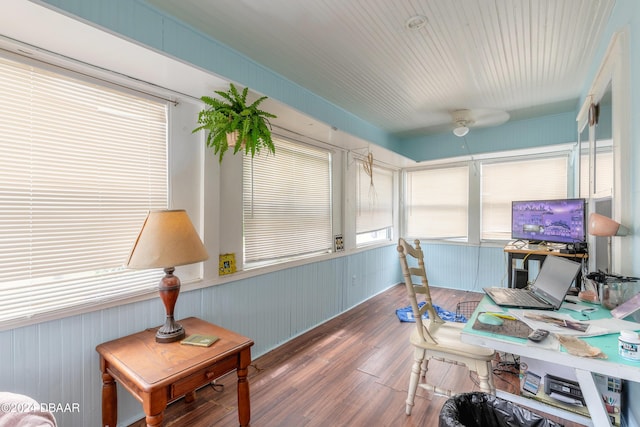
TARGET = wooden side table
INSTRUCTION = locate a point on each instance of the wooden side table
(157, 373)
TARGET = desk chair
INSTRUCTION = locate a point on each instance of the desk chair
(434, 338)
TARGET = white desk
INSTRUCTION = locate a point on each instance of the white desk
(583, 367)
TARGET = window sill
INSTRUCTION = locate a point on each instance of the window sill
(266, 269)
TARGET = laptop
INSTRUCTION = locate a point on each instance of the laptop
(547, 293)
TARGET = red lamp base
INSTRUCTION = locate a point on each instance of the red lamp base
(171, 331)
(169, 289)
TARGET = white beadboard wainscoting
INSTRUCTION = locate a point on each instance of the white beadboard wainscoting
(56, 362)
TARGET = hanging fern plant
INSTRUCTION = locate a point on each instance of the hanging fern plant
(230, 118)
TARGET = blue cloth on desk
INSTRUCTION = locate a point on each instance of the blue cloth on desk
(405, 314)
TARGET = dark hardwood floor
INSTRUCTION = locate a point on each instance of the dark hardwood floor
(351, 371)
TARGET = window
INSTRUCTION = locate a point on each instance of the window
(526, 179)
(81, 165)
(374, 199)
(437, 203)
(286, 203)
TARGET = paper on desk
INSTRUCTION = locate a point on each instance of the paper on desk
(549, 343)
(578, 347)
(613, 325)
(579, 307)
(558, 323)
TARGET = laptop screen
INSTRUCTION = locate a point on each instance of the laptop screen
(555, 278)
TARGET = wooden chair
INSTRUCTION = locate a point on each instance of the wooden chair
(433, 338)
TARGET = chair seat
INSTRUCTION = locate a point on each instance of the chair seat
(448, 337)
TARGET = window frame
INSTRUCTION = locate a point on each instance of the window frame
(605, 147)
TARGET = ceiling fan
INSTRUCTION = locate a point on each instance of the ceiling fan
(465, 119)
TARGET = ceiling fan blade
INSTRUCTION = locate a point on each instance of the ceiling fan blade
(485, 117)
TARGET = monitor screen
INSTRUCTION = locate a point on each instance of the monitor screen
(556, 221)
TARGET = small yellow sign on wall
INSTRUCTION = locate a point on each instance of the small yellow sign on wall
(227, 264)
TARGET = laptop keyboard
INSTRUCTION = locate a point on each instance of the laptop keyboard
(519, 296)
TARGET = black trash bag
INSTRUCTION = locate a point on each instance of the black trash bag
(486, 410)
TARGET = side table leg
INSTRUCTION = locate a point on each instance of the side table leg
(153, 405)
(190, 397)
(109, 401)
(244, 406)
(154, 420)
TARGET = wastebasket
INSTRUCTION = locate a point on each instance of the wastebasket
(483, 410)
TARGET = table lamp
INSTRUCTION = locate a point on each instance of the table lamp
(602, 226)
(167, 239)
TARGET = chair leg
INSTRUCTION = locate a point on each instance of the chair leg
(416, 367)
(424, 367)
(485, 377)
(491, 383)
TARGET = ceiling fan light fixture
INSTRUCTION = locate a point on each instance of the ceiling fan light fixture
(415, 22)
(460, 130)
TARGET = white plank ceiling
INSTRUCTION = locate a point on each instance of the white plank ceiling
(523, 57)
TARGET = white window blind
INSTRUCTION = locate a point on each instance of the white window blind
(81, 164)
(437, 203)
(527, 179)
(374, 198)
(286, 203)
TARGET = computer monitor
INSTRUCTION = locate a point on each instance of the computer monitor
(554, 221)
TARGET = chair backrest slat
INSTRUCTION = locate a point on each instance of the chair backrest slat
(414, 289)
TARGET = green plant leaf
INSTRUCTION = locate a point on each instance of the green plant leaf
(230, 113)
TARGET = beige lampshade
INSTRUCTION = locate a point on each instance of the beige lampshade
(167, 239)
(600, 225)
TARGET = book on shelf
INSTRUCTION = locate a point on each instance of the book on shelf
(199, 340)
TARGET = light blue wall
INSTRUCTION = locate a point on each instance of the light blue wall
(141, 22)
(56, 360)
(536, 132)
(626, 14)
(463, 267)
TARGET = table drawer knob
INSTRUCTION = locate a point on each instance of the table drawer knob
(210, 375)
